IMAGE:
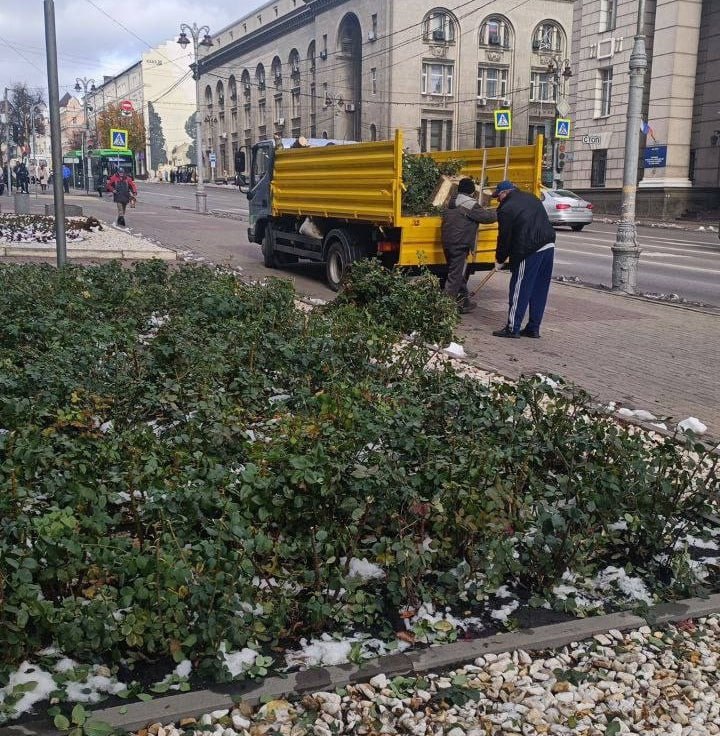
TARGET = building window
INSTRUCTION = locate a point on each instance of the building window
(373, 81)
(547, 37)
(608, 15)
(261, 114)
(295, 102)
(606, 80)
(438, 26)
(542, 87)
(534, 130)
(495, 31)
(492, 82)
(487, 137)
(598, 168)
(436, 135)
(278, 108)
(373, 20)
(437, 79)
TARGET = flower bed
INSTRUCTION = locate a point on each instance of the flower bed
(192, 468)
(41, 229)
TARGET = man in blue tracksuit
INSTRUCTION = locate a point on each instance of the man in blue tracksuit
(527, 239)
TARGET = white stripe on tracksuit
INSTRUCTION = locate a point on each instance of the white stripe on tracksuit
(516, 295)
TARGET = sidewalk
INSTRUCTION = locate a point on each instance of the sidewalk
(641, 354)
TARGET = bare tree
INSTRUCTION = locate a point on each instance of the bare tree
(22, 102)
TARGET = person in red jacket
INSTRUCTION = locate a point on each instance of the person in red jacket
(124, 191)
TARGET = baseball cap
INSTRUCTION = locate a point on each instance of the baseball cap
(503, 186)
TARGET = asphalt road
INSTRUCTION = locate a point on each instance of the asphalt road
(676, 262)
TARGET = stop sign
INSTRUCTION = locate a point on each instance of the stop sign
(126, 106)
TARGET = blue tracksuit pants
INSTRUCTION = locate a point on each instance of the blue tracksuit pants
(529, 286)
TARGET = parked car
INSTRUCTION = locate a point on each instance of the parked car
(567, 208)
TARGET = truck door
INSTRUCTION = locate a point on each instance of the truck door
(263, 156)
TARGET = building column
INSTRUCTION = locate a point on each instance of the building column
(672, 88)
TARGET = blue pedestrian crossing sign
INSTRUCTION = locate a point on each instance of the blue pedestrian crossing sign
(118, 139)
(503, 120)
(562, 128)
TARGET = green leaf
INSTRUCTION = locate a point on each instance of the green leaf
(62, 723)
(98, 728)
(78, 715)
(145, 697)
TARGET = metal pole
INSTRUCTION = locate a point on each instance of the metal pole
(54, 104)
(8, 180)
(625, 250)
(200, 195)
(34, 152)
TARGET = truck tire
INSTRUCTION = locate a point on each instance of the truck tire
(268, 248)
(336, 261)
(271, 258)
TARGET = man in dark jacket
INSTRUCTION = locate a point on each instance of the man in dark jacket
(459, 238)
(527, 239)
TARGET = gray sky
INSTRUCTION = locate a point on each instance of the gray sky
(91, 39)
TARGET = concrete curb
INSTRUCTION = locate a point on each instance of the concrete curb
(107, 254)
(172, 708)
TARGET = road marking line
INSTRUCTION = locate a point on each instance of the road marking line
(666, 265)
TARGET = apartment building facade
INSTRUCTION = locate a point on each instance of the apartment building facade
(361, 70)
(679, 165)
(160, 86)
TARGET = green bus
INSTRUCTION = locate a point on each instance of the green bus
(103, 162)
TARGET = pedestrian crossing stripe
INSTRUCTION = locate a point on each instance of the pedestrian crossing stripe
(118, 139)
(503, 120)
(562, 128)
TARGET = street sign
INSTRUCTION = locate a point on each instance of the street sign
(503, 120)
(562, 128)
(118, 139)
(71, 160)
(655, 157)
(126, 106)
(213, 159)
(563, 107)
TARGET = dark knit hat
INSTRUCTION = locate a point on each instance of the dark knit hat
(466, 186)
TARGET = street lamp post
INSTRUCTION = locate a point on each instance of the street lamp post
(86, 83)
(625, 250)
(183, 40)
(558, 67)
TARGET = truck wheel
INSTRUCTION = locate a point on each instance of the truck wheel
(335, 264)
(268, 248)
(271, 258)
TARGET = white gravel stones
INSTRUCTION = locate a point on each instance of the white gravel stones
(649, 682)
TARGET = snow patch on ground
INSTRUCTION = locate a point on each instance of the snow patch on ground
(692, 424)
(238, 661)
(365, 570)
(454, 350)
(39, 683)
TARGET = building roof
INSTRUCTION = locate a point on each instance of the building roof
(65, 99)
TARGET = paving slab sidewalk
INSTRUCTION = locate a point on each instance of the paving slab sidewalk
(643, 354)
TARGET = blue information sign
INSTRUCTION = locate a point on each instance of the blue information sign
(655, 157)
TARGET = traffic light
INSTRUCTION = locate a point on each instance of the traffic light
(560, 157)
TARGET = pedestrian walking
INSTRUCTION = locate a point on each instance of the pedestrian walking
(527, 240)
(43, 178)
(124, 192)
(22, 176)
(172, 176)
(66, 174)
(460, 224)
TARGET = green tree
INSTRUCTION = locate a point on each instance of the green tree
(112, 117)
(191, 130)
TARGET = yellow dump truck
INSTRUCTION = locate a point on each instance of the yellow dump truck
(335, 204)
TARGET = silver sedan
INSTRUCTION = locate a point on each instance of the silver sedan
(567, 208)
